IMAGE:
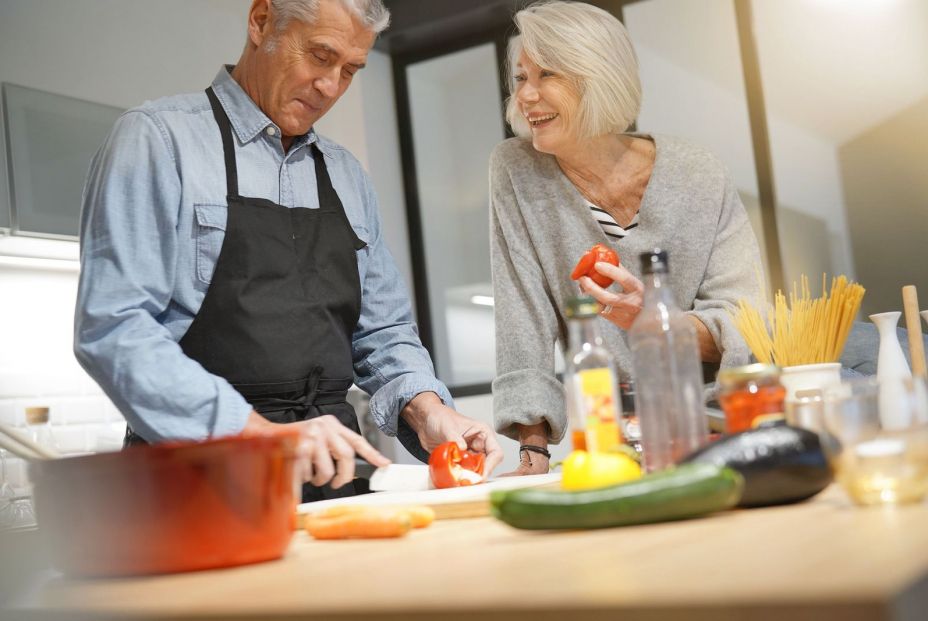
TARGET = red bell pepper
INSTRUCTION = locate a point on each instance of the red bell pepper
(449, 466)
(586, 266)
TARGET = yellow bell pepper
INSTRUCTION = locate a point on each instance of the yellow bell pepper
(583, 470)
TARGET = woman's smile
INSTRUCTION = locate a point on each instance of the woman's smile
(539, 121)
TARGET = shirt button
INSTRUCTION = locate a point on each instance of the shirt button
(271, 131)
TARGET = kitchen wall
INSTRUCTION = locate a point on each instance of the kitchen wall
(122, 52)
(693, 87)
(885, 185)
(837, 77)
(844, 85)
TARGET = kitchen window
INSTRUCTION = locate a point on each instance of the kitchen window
(450, 107)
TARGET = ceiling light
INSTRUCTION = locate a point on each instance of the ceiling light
(482, 300)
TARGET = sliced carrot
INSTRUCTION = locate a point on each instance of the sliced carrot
(340, 510)
(420, 515)
(361, 525)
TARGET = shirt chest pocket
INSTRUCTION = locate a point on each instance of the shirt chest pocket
(210, 233)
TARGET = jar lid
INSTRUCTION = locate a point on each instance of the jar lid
(582, 306)
(36, 416)
(732, 376)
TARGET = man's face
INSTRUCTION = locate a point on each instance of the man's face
(309, 66)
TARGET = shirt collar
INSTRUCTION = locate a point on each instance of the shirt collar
(245, 116)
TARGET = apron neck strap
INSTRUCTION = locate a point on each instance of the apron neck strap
(228, 146)
(327, 193)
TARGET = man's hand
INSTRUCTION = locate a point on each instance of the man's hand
(435, 423)
(326, 450)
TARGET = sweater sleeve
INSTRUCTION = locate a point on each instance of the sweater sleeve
(734, 272)
(526, 390)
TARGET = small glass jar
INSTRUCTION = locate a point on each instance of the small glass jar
(750, 396)
(40, 428)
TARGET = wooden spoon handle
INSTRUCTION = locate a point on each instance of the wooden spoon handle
(19, 444)
(914, 327)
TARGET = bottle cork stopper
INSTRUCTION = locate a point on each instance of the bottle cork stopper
(36, 416)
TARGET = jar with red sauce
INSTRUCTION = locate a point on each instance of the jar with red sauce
(750, 396)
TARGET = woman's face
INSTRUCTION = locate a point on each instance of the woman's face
(549, 104)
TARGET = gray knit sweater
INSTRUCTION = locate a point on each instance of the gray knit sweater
(540, 225)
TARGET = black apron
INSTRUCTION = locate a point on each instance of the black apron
(282, 305)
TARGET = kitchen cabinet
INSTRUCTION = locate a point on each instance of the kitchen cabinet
(823, 559)
(50, 142)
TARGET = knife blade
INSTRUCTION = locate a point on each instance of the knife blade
(401, 478)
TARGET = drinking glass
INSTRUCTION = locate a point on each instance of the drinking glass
(877, 439)
(16, 509)
(7, 493)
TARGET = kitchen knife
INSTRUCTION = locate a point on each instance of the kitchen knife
(401, 478)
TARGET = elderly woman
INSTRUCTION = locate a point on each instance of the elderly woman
(573, 178)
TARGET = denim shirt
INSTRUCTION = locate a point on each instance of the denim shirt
(152, 224)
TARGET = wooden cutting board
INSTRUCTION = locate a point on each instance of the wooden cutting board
(458, 502)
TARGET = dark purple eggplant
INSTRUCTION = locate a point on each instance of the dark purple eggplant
(780, 464)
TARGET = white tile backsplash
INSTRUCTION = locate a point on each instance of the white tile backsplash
(88, 386)
(105, 437)
(10, 415)
(38, 383)
(78, 410)
(81, 418)
(70, 439)
(110, 413)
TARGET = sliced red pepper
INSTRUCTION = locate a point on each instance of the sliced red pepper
(583, 267)
(449, 466)
(586, 266)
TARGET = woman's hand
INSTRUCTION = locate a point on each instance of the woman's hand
(622, 308)
(531, 462)
(619, 308)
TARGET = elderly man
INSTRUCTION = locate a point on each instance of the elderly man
(234, 276)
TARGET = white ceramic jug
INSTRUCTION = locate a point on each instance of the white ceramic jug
(891, 370)
(890, 361)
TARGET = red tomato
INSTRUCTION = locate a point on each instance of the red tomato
(586, 265)
(449, 466)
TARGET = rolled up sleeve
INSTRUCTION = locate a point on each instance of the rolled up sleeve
(128, 261)
(526, 390)
(390, 361)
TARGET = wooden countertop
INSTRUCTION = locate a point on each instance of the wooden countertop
(823, 559)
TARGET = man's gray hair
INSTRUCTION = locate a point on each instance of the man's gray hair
(372, 13)
(589, 47)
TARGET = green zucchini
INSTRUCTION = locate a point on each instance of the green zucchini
(674, 494)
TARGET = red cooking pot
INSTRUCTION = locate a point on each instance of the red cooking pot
(169, 507)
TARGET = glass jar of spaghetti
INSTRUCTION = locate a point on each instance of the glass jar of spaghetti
(750, 396)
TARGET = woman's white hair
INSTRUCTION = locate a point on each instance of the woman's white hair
(592, 50)
(372, 13)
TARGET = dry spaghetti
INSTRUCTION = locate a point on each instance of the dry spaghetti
(802, 329)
